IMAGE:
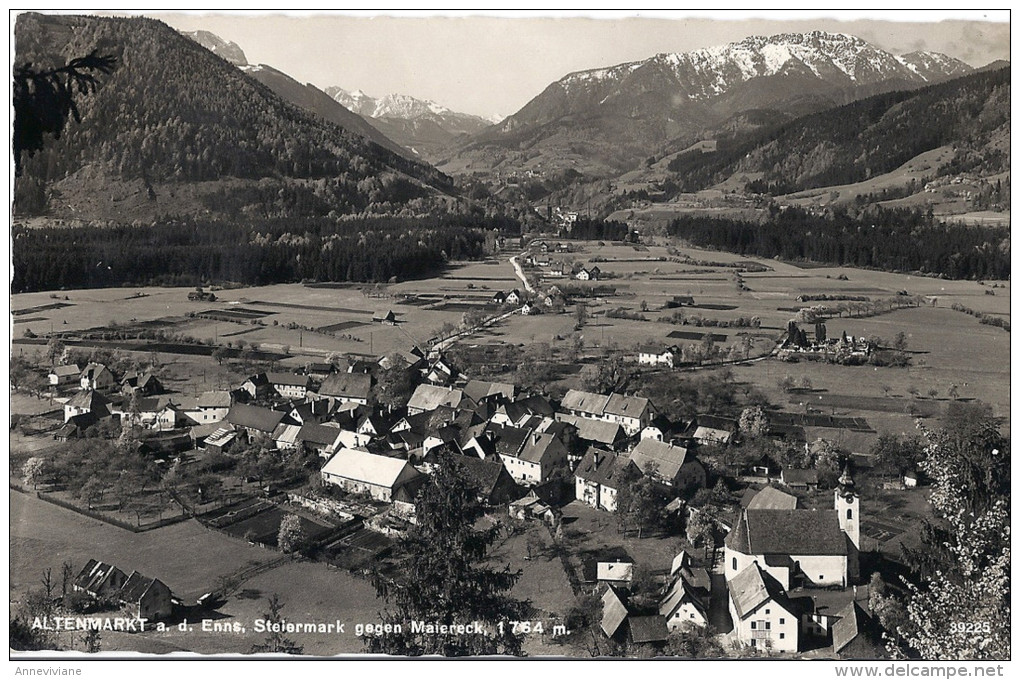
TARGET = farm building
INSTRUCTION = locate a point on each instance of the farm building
(222, 439)
(799, 479)
(482, 389)
(257, 386)
(363, 472)
(142, 384)
(495, 485)
(657, 355)
(96, 377)
(213, 406)
(856, 635)
(88, 401)
(536, 458)
(99, 579)
(254, 420)
(616, 573)
(385, 316)
(614, 612)
(597, 478)
(430, 397)
(671, 463)
(771, 498)
(290, 385)
(347, 387)
(64, 375)
(761, 611)
(632, 413)
(146, 598)
(714, 430)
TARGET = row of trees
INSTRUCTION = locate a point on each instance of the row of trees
(889, 239)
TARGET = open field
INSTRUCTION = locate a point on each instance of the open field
(186, 556)
(948, 347)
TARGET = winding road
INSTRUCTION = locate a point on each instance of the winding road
(520, 274)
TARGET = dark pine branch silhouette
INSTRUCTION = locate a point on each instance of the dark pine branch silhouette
(43, 100)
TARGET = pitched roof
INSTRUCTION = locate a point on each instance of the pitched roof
(507, 441)
(536, 404)
(798, 476)
(94, 574)
(479, 389)
(254, 417)
(668, 457)
(614, 571)
(537, 446)
(429, 397)
(356, 385)
(852, 622)
(483, 474)
(628, 407)
(285, 433)
(137, 585)
(87, 399)
(602, 467)
(648, 628)
(679, 562)
(425, 422)
(716, 423)
(214, 399)
(63, 371)
(752, 588)
(591, 430)
(675, 596)
(614, 612)
(292, 379)
(788, 532)
(771, 498)
(586, 402)
(314, 433)
(362, 466)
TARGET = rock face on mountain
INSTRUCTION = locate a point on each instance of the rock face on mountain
(220, 47)
(417, 124)
(610, 118)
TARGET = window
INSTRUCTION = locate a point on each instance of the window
(782, 621)
(752, 642)
(766, 611)
(821, 577)
(782, 636)
(768, 625)
(753, 625)
(849, 513)
(734, 563)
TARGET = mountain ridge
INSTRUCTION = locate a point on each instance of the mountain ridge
(673, 95)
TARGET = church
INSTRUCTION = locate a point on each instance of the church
(798, 547)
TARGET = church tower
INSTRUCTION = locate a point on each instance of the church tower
(848, 506)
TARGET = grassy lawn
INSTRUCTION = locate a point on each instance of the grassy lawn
(186, 556)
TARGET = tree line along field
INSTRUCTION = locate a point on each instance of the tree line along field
(310, 322)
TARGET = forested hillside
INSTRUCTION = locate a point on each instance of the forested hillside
(257, 252)
(176, 120)
(869, 137)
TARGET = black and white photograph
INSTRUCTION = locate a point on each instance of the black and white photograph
(497, 335)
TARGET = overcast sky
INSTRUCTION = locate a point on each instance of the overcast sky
(494, 65)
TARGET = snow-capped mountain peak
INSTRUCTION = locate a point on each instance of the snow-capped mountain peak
(837, 58)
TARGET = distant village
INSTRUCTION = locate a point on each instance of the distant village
(787, 577)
